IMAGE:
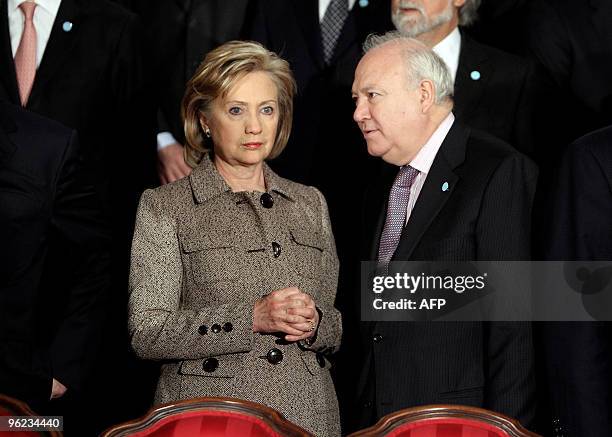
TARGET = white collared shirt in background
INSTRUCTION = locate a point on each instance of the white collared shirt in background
(44, 17)
(449, 49)
(425, 158)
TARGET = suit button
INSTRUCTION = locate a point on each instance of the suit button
(216, 328)
(368, 404)
(266, 200)
(321, 360)
(276, 249)
(210, 364)
(274, 356)
(377, 338)
(203, 329)
(227, 326)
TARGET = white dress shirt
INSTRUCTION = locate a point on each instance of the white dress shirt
(44, 16)
(448, 49)
(425, 158)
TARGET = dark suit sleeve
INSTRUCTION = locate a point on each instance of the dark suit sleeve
(79, 237)
(503, 233)
(578, 354)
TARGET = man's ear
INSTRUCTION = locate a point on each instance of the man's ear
(458, 3)
(427, 92)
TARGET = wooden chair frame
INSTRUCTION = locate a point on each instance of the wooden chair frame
(269, 416)
(22, 409)
(411, 415)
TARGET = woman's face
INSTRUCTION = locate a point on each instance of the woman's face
(243, 124)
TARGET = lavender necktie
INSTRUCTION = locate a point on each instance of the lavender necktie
(396, 213)
(331, 26)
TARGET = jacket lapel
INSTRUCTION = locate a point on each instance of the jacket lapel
(469, 88)
(59, 45)
(8, 76)
(432, 198)
(307, 15)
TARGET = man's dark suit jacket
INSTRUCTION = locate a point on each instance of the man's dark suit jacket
(53, 258)
(504, 100)
(180, 33)
(573, 41)
(92, 79)
(485, 215)
(579, 355)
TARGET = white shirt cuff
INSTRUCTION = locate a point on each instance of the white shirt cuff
(164, 139)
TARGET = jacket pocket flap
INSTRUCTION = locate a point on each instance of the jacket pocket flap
(307, 239)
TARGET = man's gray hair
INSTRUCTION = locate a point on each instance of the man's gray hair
(421, 62)
(468, 12)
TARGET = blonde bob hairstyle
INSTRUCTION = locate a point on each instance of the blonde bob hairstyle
(220, 70)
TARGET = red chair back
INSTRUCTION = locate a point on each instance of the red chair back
(445, 421)
(210, 417)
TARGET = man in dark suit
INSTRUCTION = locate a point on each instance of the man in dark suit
(458, 195)
(181, 33)
(90, 75)
(54, 261)
(494, 91)
(579, 354)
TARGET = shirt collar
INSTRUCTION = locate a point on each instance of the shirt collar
(51, 6)
(207, 183)
(448, 49)
(424, 159)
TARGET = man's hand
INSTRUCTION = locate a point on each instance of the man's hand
(57, 389)
(171, 164)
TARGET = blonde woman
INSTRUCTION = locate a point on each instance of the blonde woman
(234, 269)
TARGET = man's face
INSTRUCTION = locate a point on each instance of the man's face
(388, 108)
(417, 17)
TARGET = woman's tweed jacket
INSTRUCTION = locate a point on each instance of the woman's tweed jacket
(201, 256)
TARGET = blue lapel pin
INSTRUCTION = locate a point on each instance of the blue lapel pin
(445, 186)
(475, 75)
(363, 3)
(67, 26)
